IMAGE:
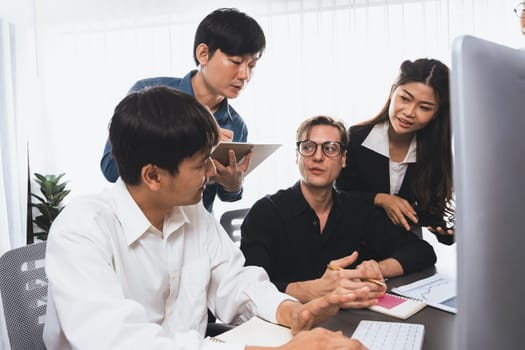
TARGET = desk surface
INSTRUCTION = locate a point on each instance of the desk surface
(440, 326)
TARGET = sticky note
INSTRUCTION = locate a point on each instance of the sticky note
(389, 301)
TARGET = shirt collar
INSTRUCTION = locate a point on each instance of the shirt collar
(133, 221)
(301, 205)
(175, 220)
(223, 113)
(377, 141)
(185, 84)
(411, 156)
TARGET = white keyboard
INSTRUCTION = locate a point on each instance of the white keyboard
(377, 335)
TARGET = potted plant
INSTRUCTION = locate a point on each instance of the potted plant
(49, 205)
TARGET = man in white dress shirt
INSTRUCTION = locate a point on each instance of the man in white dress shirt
(137, 266)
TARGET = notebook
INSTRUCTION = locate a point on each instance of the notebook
(257, 332)
(437, 291)
(377, 335)
(397, 306)
(261, 151)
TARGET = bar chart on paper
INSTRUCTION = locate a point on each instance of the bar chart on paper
(437, 291)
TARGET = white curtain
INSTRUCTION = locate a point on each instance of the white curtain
(19, 105)
(335, 57)
(13, 151)
(13, 157)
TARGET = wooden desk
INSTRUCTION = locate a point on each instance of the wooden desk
(440, 326)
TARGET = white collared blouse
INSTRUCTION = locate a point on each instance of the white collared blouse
(377, 141)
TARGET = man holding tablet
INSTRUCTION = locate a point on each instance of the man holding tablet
(228, 43)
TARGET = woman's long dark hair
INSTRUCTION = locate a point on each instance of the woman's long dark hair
(433, 185)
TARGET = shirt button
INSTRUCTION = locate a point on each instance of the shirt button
(314, 222)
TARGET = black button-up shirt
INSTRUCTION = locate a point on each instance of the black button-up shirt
(281, 233)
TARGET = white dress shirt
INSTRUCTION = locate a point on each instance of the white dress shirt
(116, 282)
(377, 141)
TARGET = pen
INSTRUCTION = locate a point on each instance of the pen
(372, 280)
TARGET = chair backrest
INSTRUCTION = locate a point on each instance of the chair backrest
(231, 221)
(23, 284)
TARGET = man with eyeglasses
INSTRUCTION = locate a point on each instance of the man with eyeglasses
(312, 239)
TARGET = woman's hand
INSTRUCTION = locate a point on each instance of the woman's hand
(397, 209)
(441, 231)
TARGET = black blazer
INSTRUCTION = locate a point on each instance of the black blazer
(367, 173)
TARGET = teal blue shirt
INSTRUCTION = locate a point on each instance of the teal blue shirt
(226, 117)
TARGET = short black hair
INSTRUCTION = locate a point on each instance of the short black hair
(232, 31)
(160, 126)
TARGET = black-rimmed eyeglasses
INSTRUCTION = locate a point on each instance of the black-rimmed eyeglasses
(519, 10)
(331, 149)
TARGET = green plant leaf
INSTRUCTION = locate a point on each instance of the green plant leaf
(40, 177)
(41, 235)
(53, 192)
(62, 195)
(59, 188)
(48, 188)
(38, 197)
(42, 222)
(60, 176)
(42, 207)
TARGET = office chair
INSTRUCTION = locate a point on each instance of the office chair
(23, 284)
(231, 221)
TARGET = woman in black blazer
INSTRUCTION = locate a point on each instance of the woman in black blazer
(401, 159)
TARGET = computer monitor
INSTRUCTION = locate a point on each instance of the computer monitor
(488, 120)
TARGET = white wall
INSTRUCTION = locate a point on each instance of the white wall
(322, 57)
